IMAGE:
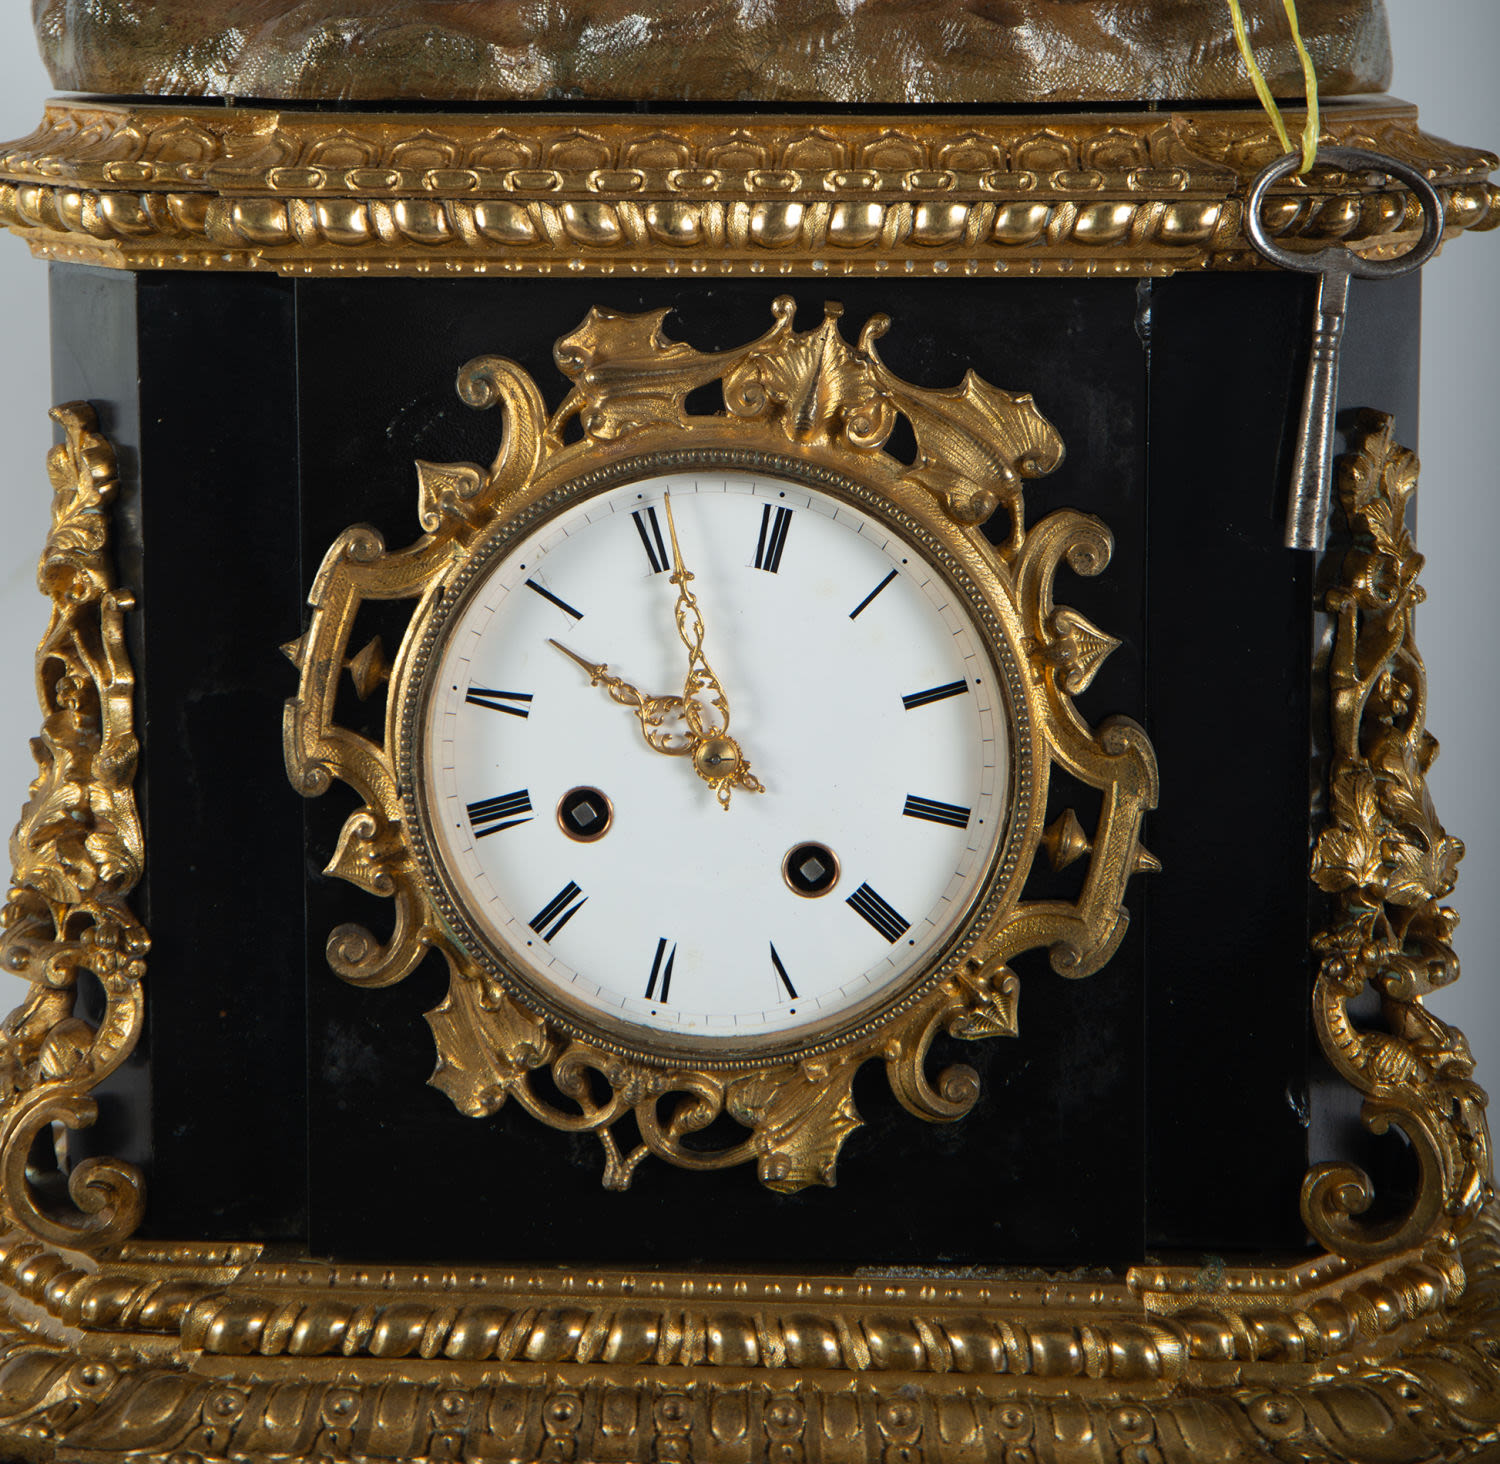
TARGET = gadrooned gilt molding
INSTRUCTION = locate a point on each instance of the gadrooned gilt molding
(795, 402)
(149, 186)
(76, 855)
(1389, 863)
(235, 1356)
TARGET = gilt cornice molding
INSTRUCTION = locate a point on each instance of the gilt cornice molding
(919, 193)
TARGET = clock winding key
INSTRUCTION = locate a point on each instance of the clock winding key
(1312, 470)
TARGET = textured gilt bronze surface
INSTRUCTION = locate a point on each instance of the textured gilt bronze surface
(1130, 193)
(941, 51)
(803, 405)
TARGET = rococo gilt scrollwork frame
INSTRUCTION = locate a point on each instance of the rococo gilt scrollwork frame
(805, 405)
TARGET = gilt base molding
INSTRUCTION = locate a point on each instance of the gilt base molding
(207, 1355)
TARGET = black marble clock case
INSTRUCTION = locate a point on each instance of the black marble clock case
(1170, 1102)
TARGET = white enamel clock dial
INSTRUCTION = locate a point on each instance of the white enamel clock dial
(606, 874)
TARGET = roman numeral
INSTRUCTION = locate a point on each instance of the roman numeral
(772, 537)
(653, 543)
(934, 694)
(867, 904)
(662, 971)
(493, 815)
(560, 909)
(859, 609)
(786, 980)
(562, 605)
(517, 703)
(935, 812)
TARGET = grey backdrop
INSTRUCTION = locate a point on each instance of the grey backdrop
(1445, 53)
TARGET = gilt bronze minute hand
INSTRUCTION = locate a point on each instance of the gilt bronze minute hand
(717, 758)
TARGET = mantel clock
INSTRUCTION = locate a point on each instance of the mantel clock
(687, 805)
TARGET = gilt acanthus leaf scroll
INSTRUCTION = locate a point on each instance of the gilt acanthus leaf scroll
(975, 442)
(1389, 863)
(75, 855)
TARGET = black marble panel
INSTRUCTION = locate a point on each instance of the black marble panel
(193, 377)
(1237, 717)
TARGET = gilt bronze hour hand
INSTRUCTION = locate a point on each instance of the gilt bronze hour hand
(654, 712)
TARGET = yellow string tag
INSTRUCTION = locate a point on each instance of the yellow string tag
(1263, 90)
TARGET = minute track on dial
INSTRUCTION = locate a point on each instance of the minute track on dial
(795, 666)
